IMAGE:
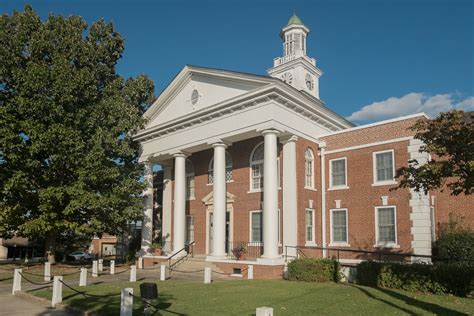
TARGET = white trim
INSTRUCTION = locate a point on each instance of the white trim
(374, 168)
(376, 213)
(339, 244)
(337, 187)
(313, 228)
(311, 161)
(250, 225)
(402, 118)
(209, 210)
(323, 197)
(384, 142)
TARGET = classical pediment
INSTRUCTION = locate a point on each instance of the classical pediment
(195, 89)
(209, 199)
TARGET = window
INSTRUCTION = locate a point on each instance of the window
(384, 167)
(338, 174)
(256, 226)
(386, 226)
(228, 169)
(189, 180)
(189, 229)
(309, 169)
(339, 226)
(256, 166)
(309, 220)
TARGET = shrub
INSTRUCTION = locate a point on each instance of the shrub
(439, 278)
(314, 270)
(457, 246)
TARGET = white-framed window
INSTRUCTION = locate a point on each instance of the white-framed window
(338, 173)
(339, 228)
(189, 180)
(256, 168)
(309, 169)
(309, 225)
(189, 229)
(433, 224)
(384, 167)
(256, 224)
(386, 226)
(228, 169)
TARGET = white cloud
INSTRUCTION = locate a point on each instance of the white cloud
(411, 103)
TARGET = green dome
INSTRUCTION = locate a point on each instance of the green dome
(294, 20)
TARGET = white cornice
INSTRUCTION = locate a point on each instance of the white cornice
(312, 68)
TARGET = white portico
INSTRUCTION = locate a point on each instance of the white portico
(211, 109)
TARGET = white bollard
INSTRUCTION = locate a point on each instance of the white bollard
(83, 277)
(101, 265)
(126, 302)
(112, 266)
(47, 271)
(140, 263)
(16, 281)
(207, 275)
(57, 296)
(133, 273)
(163, 272)
(95, 274)
(264, 311)
(250, 272)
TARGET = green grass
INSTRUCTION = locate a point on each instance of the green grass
(242, 297)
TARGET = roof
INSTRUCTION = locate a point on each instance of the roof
(294, 20)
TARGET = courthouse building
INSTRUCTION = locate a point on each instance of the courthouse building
(261, 162)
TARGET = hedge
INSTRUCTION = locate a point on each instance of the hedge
(440, 278)
(313, 270)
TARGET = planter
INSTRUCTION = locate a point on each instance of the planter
(157, 252)
(243, 256)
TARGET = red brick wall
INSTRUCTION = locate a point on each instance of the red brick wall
(457, 208)
(259, 271)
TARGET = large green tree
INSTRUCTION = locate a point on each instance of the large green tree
(68, 164)
(449, 139)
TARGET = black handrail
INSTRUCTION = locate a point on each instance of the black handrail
(190, 251)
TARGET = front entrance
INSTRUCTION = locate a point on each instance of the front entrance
(227, 231)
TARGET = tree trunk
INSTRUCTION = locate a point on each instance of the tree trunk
(50, 246)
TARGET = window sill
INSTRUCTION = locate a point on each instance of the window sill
(260, 190)
(310, 244)
(382, 183)
(393, 246)
(191, 198)
(310, 188)
(339, 245)
(211, 184)
(342, 187)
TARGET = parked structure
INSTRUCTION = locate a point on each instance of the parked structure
(258, 163)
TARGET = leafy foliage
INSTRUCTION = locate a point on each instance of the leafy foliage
(449, 139)
(67, 159)
(455, 242)
(314, 270)
(441, 278)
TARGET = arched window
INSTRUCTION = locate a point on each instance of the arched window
(256, 168)
(309, 169)
(228, 169)
(189, 179)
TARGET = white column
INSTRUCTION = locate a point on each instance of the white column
(47, 271)
(220, 203)
(83, 277)
(147, 225)
(57, 296)
(166, 210)
(290, 220)
(126, 302)
(179, 218)
(270, 196)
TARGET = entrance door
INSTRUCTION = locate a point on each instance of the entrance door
(211, 231)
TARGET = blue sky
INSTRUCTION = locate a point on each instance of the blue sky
(381, 59)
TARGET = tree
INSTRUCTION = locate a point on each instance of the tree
(68, 163)
(449, 139)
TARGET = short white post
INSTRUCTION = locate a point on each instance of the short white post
(163, 272)
(126, 302)
(57, 296)
(83, 277)
(47, 271)
(16, 281)
(112, 266)
(133, 273)
(101, 265)
(264, 311)
(140, 263)
(250, 272)
(95, 274)
(207, 275)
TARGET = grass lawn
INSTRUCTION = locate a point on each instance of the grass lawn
(242, 297)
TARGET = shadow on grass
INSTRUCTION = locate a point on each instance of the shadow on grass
(428, 307)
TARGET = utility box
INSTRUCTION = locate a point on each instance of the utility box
(148, 291)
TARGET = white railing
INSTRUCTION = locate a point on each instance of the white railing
(281, 60)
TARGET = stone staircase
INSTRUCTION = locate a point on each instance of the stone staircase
(192, 269)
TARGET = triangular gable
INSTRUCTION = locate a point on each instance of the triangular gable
(209, 199)
(196, 88)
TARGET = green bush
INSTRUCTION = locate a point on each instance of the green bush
(441, 278)
(314, 270)
(456, 246)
